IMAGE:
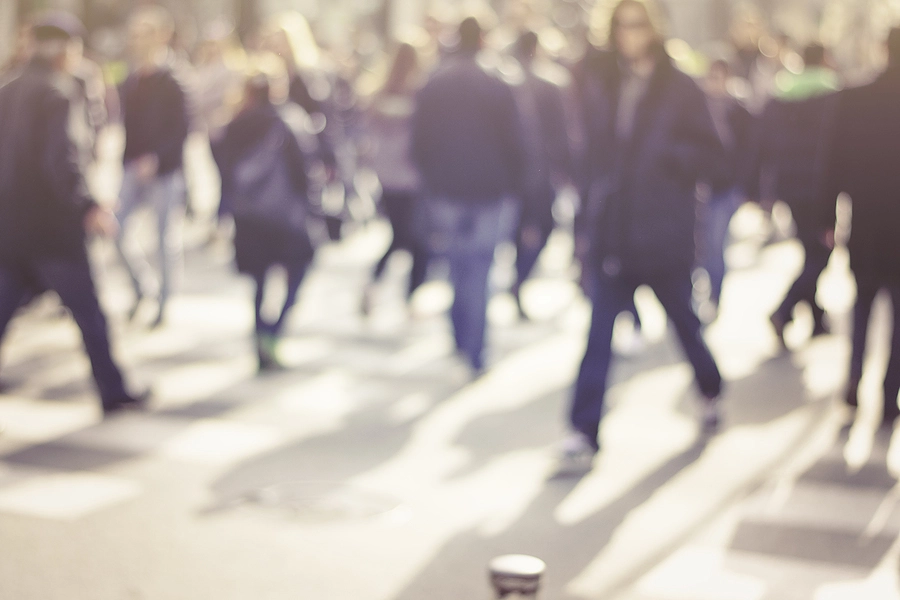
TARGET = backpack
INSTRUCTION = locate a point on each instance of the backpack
(263, 188)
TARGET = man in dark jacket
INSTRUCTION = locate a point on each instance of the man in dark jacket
(794, 135)
(155, 116)
(45, 207)
(467, 145)
(650, 139)
(863, 164)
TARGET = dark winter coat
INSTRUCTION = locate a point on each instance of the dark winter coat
(260, 244)
(640, 210)
(466, 137)
(156, 118)
(45, 144)
(864, 164)
(794, 138)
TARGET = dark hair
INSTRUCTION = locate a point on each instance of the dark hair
(655, 19)
(893, 46)
(470, 35)
(814, 55)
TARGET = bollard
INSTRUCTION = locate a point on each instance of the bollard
(516, 574)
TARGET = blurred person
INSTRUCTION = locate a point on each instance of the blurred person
(388, 127)
(217, 77)
(794, 144)
(863, 163)
(650, 141)
(735, 127)
(467, 144)
(46, 210)
(311, 87)
(265, 187)
(548, 155)
(155, 117)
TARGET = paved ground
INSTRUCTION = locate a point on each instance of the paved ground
(375, 468)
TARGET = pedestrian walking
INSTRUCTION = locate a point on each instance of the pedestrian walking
(794, 143)
(264, 187)
(735, 127)
(388, 130)
(650, 140)
(46, 210)
(467, 144)
(548, 154)
(155, 115)
(864, 148)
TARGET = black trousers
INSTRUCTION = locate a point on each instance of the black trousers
(868, 285)
(611, 295)
(804, 288)
(71, 279)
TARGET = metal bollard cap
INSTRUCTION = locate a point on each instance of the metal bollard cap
(518, 566)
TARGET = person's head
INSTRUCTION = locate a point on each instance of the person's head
(814, 55)
(636, 29)
(470, 35)
(150, 30)
(893, 47)
(403, 68)
(57, 38)
(526, 46)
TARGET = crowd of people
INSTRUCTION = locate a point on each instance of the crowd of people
(472, 133)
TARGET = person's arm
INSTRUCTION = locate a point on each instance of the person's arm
(62, 167)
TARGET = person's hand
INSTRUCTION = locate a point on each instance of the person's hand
(147, 167)
(101, 221)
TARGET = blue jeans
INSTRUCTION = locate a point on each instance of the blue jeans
(719, 210)
(467, 234)
(165, 194)
(611, 294)
(71, 280)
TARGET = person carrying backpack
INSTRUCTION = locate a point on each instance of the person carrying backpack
(264, 187)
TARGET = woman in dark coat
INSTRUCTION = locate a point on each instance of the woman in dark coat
(264, 187)
(650, 140)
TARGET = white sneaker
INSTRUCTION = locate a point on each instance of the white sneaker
(576, 454)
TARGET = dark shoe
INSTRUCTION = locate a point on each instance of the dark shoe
(135, 402)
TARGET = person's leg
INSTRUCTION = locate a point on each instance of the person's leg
(168, 196)
(131, 196)
(674, 293)
(475, 236)
(586, 410)
(469, 276)
(720, 209)
(816, 255)
(419, 270)
(892, 376)
(866, 290)
(71, 279)
(12, 288)
(294, 280)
